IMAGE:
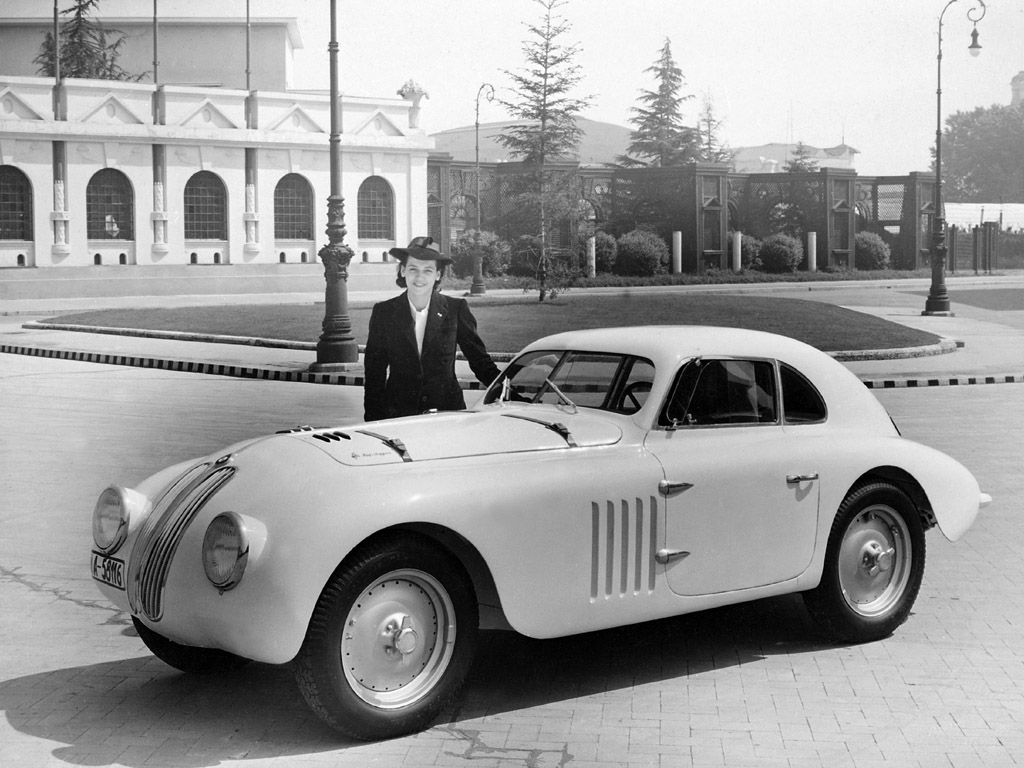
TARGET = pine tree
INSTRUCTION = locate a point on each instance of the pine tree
(660, 139)
(799, 202)
(87, 49)
(542, 100)
(802, 161)
(712, 148)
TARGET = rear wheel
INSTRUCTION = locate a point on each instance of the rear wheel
(188, 658)
(873, 566)
(391, 640)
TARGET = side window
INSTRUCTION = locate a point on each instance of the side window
(801, 403)
(722, 393)
(636, 386)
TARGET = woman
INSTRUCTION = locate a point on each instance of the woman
(409, 360)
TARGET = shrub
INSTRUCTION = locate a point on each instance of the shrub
(781, 253)
(750, 252)
(525, 256)
(870, 251)
(496, 252)
(605, 251)
(641, 253)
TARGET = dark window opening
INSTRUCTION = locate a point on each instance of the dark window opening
(15, 204)
(293, 208)
(109, 206)
(206, 207)
(376, 210)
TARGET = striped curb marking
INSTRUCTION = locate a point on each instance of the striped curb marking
(352, 380)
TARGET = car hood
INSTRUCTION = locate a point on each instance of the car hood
(449, 435)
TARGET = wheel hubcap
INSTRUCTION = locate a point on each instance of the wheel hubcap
(874, 561)
(398, 639)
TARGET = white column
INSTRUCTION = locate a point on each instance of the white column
(677, 252)
(812, 251)
(737, 251)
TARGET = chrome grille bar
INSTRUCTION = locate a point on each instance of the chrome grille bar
(154, 549)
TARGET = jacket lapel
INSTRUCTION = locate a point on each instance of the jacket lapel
(435, 317)
(404, 321)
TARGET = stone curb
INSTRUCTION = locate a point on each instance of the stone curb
(356, 379)
(943, 347)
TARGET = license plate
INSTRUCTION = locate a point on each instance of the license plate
(109, 570)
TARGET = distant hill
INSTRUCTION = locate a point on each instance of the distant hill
(601, 142)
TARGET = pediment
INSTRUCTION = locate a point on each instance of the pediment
(297, 120)
(112, 110)
(378, 124)
(207, 115)
(13, 107)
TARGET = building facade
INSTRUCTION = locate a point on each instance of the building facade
(100, 172)
(204, 161)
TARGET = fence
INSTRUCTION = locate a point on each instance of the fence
(702, 201)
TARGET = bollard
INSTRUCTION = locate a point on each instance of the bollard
(677, 253)
(812, 251)
(591, 256)
(737, 251)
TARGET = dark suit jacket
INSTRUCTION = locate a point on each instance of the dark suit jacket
(398, 382)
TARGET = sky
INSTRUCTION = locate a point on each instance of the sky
(817, 71)
(823, 72)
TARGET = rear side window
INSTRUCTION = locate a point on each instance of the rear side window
(801, 403)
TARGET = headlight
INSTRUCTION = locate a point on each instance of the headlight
(225, 550)
(110, 519)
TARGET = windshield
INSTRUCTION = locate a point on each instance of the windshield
(605, 381)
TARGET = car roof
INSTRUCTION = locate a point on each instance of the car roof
(850, 403)
(669, 343)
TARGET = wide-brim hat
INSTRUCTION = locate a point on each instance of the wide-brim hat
(423, 248)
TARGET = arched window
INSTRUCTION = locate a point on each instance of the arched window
(15, 204)
(376, 210)
(206, 208)
(109, 206)
(293, 208)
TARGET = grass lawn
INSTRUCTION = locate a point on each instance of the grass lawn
(508, 324)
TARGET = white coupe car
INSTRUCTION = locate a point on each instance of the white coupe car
(608, 477)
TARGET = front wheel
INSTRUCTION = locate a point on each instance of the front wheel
(874, 565)
(391, 640)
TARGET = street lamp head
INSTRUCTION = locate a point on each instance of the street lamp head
(975, 46)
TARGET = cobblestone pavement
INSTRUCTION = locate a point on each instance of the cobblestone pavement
(750, 685)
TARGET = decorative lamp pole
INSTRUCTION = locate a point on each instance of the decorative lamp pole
(337, 345)
(477, 287)
(938, 297)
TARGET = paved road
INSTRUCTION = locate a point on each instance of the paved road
(744, 686)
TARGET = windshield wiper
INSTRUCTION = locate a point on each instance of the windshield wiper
(391, 442)
(555, 426)
(561, 395)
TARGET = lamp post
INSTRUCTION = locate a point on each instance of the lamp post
(477, 287)
(336, 346)
(937, 302)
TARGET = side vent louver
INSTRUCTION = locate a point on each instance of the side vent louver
(623, 541)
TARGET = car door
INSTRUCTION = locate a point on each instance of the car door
(741, 493)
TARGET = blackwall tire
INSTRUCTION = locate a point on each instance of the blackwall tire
(391, 640)
(873, 566)
(187, 658)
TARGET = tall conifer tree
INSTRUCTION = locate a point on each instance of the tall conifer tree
(660, 138)
(87, 48)
(542, 99)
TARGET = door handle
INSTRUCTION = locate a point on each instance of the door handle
(663, 556)
(668, 488)
(795, 479)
